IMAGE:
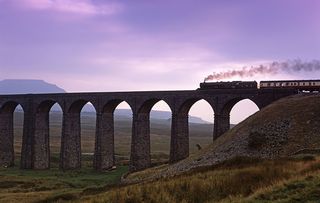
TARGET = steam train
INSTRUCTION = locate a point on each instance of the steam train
(229, 85)
(302, 85)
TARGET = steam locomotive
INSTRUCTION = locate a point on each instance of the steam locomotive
(229, 85)
(302, 85)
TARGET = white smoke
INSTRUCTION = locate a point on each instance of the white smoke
(269, 69)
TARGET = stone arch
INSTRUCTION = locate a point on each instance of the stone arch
(110, 106)
(140, 157)
(222, 118)
(7, 153)
(180, 129)
(46, 105)
(158, 155)
(76, 106)
(242, 110)
(70, 155)
(186, 105)
(41, 144)
(10, 106)
(104, 157)
(227, 107)
(148, 105)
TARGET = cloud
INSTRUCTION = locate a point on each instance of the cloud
(81, 7)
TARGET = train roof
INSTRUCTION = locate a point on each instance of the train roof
(290, 81)
(228, 81)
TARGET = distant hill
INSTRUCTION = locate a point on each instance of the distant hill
(23, 86)
(124, 114)
(163, 115)
(26, 86)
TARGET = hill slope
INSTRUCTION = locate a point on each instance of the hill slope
(281, 129)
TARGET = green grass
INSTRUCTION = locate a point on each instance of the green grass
(53, 184)
(305, 189)
(76, 179)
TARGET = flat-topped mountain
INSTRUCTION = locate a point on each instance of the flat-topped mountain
(26, 86)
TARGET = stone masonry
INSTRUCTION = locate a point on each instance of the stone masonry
(35, 147)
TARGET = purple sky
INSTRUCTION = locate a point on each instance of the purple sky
(101, 45)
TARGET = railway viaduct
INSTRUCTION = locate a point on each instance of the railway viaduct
(35, 152)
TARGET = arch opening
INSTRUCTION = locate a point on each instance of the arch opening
(88, 130)
(160, 132)
(200, 123)
(18, 122)
(240, 109)
(55, 131)
(122, 114)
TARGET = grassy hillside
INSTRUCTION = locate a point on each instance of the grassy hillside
(240, 179)
(237, 180)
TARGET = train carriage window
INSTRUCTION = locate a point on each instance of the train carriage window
(314, 83)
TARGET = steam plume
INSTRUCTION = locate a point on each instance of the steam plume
(269, 69)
